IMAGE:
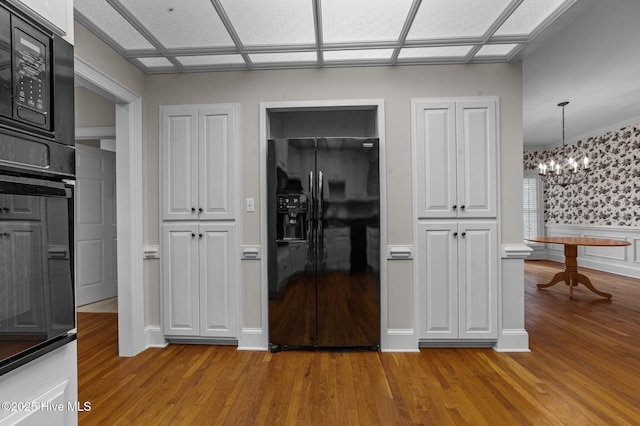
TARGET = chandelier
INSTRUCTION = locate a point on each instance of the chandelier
(563, 172)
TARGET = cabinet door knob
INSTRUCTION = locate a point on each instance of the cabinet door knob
(464, 234)
(455, 206)
(462, 207)
(200, 235)
(193, 209)
(200, 209)
(193, 235)
(455, 234)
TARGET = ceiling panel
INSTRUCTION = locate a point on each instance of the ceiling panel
(276, 58)
(437, 19)
(181, 24)
(271, 22)
(355, 21)
(203, 60)
(110, 22)
(496, 49)
(435, 52)
(528, 16)
(156, 62)
(359, 55)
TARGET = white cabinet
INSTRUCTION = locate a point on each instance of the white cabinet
(58, 15)
(455, 177)
(199, 193)
(199, 279)
(455, 158)
(198, 162)
(458, 273)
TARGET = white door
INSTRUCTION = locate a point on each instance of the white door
(96, 275)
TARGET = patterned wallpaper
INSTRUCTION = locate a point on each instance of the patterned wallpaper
(610, 195)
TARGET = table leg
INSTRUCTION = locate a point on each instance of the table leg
(570, 275)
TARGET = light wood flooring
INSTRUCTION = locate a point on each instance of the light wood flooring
(583, 369)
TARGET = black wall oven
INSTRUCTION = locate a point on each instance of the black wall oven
(37, 172)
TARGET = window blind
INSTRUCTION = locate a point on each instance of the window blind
(530, 206)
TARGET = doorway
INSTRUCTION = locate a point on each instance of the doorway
(129, 203)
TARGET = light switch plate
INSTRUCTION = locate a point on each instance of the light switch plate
(251, 205)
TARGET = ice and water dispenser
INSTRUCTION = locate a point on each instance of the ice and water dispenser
(292, 212)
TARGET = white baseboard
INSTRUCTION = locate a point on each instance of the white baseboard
(154, 337)
(252, 339)
(512, 341)
(401, 340)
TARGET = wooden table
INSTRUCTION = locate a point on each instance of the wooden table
(570, 275)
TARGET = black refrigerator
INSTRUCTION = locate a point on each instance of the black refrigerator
(324, 243)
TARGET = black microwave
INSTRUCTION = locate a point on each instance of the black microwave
(36, 78)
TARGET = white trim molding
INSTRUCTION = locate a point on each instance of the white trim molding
(512, 336)
(401, 340)
(623, 260)
(281, 106)
(154, 337)
(94, 133)
(131, 329)
(252, 339)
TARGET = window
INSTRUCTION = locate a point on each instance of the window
(532, 208)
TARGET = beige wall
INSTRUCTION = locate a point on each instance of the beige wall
(396, 85)
(93, 110)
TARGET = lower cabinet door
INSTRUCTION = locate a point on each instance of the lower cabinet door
(180, 279)
(478, 280)
(218, 269)
(458, 280)
(438, 280)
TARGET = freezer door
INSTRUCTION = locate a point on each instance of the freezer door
(348, 211)
(291, 184)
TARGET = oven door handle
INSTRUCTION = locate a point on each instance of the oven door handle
(36, 187)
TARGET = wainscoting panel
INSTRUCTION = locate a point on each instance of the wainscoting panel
(617, 260)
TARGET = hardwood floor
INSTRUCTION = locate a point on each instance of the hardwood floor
(583, 369)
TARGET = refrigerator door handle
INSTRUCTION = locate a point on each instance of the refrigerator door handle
(320, 216)
(311, 217)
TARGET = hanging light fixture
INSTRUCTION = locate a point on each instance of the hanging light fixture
(571, 171)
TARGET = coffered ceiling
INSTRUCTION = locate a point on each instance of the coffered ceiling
(173, 36)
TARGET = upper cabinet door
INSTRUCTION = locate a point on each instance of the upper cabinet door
(217, 162)
(477, 164)
(455, 158)
(435, 162)
(179, 163)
